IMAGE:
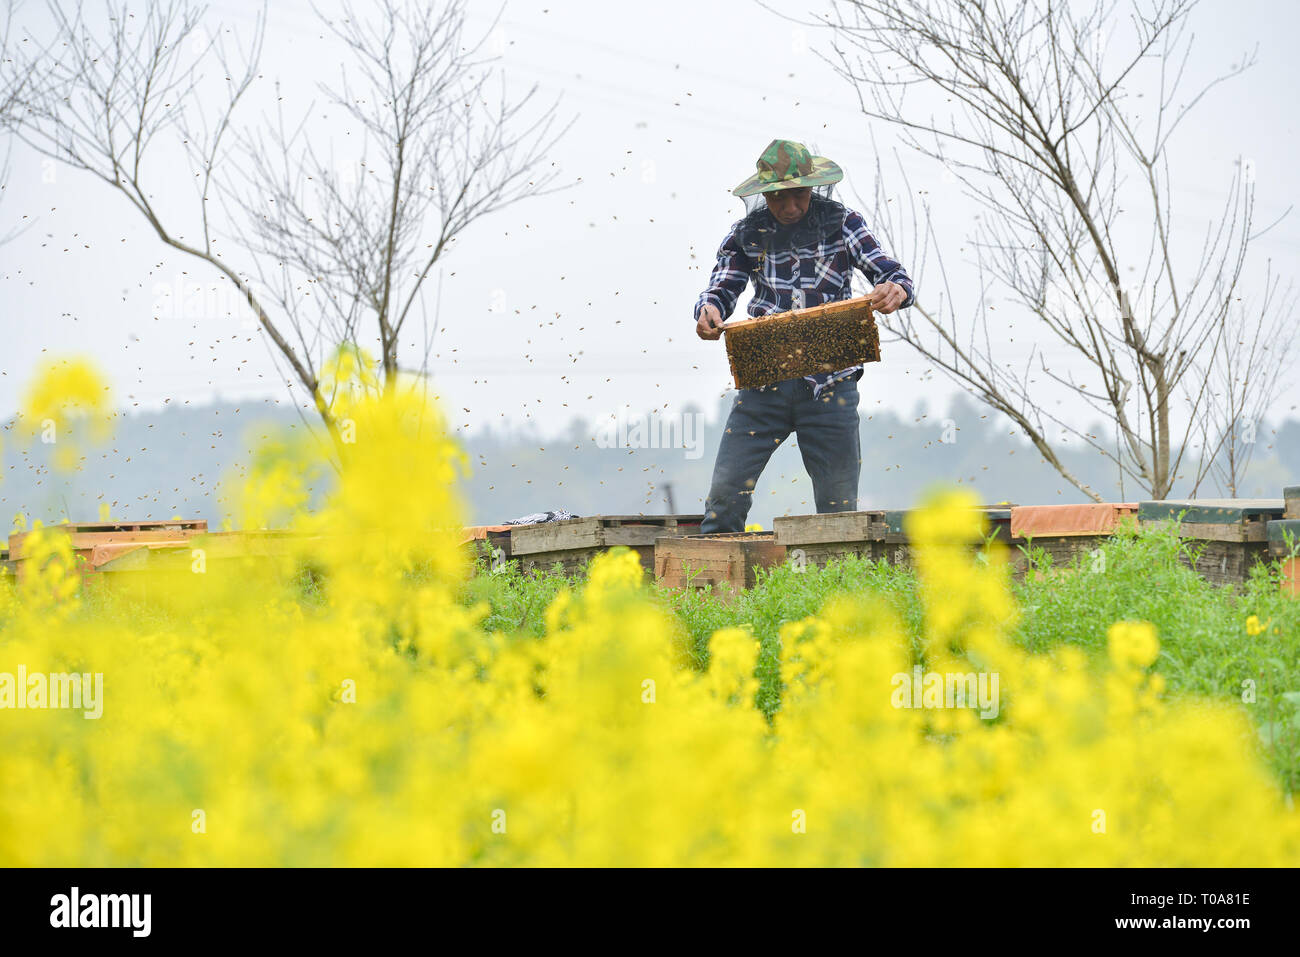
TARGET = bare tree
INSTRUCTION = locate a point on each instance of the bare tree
(1244, 372)
(12, 87)
(1072, 174)
(331, 250)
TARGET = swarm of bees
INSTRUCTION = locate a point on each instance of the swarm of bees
(790, 345)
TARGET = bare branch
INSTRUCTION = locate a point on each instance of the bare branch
(333, 250)
(1071, 172)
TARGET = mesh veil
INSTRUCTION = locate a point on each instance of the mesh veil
(761, 233)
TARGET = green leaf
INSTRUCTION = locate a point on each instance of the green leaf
(1270, 732)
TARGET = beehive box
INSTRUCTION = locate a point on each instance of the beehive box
(1291, 577)
(724, 564)
(166, 556)
(1283, 536)
(1228, 536)
(817, 539)
(898, 550)
(572, 543)
(150, 569)
(95, 543)
(490, 542)
(1068, 531)
(790, 345)
(876, 535)
(1291, 498)
(999, 519)
(1279, 531)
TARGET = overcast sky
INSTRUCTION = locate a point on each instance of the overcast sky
(673, 102)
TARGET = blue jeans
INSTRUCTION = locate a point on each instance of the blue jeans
(760, 420)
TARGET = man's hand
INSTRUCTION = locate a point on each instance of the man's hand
(887, 297)
(710, 321)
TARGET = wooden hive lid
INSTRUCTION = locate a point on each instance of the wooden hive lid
(1212, 511)
(999, 518)
(1291, 495)
(824, 527)
(1279, 529)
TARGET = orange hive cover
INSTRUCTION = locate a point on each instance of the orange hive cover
(1043, 521)
(473, 533)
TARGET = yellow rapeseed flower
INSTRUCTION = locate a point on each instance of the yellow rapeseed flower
(1132, 643)
(380, 721)
(65, 394)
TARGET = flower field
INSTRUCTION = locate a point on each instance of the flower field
(399, 706)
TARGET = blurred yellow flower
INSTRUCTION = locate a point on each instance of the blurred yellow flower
(1132, 643)
(378, 719)
(67, 394)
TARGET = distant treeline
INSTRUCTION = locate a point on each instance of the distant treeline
(174, 461)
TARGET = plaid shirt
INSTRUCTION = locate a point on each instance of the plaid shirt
(801, 277)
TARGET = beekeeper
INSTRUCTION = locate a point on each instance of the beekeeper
(799, 247)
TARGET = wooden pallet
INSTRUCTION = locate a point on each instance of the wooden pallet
(724, 564)
(573, 543)
(1291, 498)
(1228, 536)
(790, 345)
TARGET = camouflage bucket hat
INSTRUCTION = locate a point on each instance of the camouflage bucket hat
(786, 164)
